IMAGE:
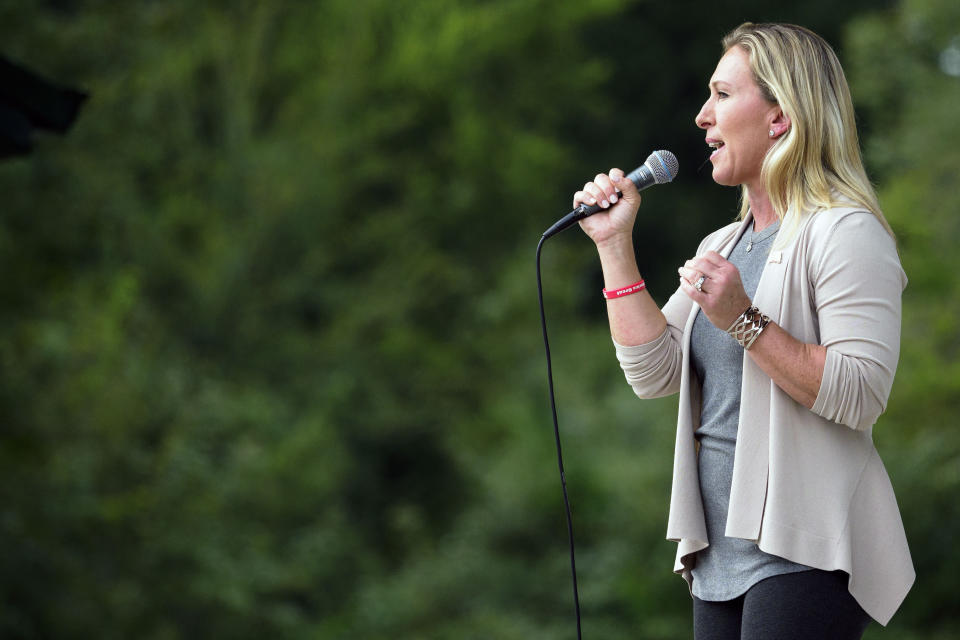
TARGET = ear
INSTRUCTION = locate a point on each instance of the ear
(779, 123)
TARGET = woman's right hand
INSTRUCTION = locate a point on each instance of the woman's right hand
(614, 222)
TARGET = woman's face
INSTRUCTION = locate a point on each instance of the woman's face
(737, 120)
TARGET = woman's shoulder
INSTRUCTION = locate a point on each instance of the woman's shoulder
(849, 221)
(850, 236)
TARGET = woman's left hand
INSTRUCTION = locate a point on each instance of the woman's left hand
(721, 294)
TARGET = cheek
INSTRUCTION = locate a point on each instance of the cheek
(746, 133)
(732, 120)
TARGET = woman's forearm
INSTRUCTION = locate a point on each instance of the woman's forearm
(794, 366)
(636, 318)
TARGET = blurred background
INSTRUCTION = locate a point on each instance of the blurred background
(270, 359)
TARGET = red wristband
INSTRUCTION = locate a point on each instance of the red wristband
(619, 293)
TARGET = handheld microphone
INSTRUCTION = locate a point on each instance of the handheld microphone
(660, 167)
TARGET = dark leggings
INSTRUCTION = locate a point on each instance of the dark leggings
(800, 606)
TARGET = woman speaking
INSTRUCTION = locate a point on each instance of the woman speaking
(782, 341)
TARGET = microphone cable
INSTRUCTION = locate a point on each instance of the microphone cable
(659, 168)
(556, 432)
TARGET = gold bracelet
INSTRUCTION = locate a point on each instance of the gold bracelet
(748, 326)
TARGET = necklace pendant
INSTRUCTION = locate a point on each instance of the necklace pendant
(749, 246)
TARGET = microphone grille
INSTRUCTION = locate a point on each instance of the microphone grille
(664, 166)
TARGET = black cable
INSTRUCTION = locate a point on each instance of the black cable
(556, 432)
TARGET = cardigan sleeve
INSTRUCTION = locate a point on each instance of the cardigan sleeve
(857, 284)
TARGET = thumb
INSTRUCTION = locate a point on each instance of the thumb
(628, 190)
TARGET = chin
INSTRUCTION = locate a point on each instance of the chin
(724, 180)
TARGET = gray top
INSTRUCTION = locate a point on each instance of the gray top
(729, 566)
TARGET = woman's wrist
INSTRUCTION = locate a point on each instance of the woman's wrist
(619, 263)
(617, 247)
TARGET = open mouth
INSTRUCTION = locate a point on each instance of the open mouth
(716, 146)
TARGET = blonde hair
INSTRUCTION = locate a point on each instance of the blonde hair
(817, 163)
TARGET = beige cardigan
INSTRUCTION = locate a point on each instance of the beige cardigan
(808, 485)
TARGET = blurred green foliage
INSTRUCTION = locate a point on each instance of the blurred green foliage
(270, 361)
(898, 68)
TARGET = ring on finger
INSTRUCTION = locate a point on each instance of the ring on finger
(698, 285)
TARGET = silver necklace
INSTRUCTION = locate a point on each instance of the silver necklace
(767, 233)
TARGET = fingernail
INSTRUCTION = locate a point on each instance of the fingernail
(604, 204)
(592, 201)
(615, 178)
(613, 198)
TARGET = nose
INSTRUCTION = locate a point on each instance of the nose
(705, 117)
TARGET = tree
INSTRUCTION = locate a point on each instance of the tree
(269, 354)
(907, 92)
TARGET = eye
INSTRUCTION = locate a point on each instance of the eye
(722, 94)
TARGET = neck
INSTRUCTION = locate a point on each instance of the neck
(761, 209)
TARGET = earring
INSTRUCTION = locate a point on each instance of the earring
(772, 133)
